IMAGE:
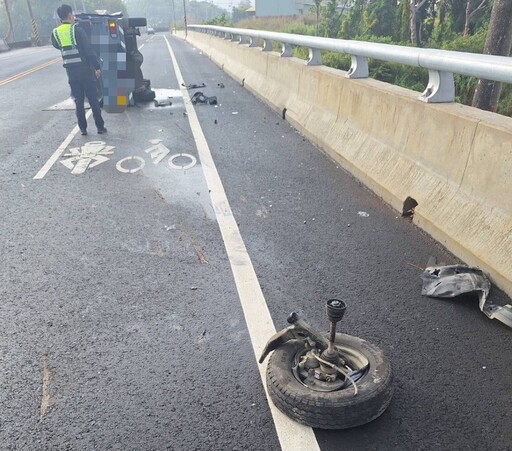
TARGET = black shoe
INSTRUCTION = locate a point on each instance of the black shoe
(83, 132)
(102, 130)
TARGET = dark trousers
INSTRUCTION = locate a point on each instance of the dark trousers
(83, 86)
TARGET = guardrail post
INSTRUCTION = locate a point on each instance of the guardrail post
(315, 57)
(235, 38)
(359, 67)
(440, 89)
(287, 50)
(254, 42)
(244, 39)
(228, 36)
(267, 45)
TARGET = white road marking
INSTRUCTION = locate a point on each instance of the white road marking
(292, 436)
(56, 155)
(183, 167)
(157, 152)
(119, 165)
(90, 155)
(46, 399)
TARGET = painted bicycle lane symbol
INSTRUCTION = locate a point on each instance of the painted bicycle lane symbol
(94, 153)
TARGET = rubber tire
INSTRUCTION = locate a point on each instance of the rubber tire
(331, 410)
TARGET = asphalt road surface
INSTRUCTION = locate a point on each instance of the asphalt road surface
(129, 313)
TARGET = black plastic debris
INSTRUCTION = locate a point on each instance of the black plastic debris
(199, 97)
(408, 208)
(220, 85)
(449, 281)
(194, 86)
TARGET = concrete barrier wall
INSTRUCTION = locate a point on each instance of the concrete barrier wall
(456, 161)
(3, 46)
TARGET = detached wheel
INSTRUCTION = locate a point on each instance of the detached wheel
(338, 409)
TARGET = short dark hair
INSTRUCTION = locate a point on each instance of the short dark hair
(64, 11)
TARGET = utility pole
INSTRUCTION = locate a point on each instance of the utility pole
(174, 16)
(35, 29)
(185, 17)
(9, 38)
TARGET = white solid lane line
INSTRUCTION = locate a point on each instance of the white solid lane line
(56, 155)
(292, 436)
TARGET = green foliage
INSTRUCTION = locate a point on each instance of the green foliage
(222, 21)
(472, 44)
(332, 19)
(414, 78)
(339, 61)
(385, 14)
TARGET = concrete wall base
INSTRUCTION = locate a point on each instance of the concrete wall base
(456, 161)
(3, 46)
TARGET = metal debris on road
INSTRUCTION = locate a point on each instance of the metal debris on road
(193, 86)
(448, 281)
(199, 97)
(163, 102)
(363, 214)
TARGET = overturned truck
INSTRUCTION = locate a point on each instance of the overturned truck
(114, 39)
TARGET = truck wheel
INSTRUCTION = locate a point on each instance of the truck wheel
(335, 409)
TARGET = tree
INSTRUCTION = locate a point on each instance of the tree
(333, 14)
(318, 4)
(112, 6)
(498, 42)
(414, 7)
(385, 13)
(244, 5)
(9, 38)
(471, 10)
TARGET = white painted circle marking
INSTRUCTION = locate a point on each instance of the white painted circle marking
(193, 161)
(119, 165)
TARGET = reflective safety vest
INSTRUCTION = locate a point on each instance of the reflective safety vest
(65, 36)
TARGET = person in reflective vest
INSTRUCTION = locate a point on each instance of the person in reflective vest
(82, 66)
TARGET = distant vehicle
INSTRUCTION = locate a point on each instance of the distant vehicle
(151, 30)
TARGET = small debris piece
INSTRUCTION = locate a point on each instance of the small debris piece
(163, 102)
(193, 288)
(194, 86)
(363, 214)
(408, 208)
(220, 85)
(199, 97)
(234, 112)
(215, 121)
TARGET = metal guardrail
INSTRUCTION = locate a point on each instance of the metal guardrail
(441, 64)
